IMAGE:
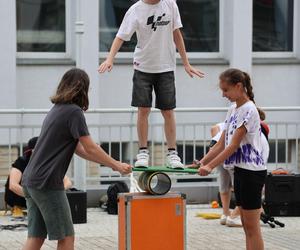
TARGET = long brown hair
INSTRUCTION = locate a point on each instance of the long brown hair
(234, 76)
(73, 88)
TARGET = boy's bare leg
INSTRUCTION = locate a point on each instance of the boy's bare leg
(66, 244)
(172, 160)
(170, 127)
(142, 126)
(33, 243)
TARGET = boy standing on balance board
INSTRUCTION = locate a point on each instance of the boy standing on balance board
(157, 24)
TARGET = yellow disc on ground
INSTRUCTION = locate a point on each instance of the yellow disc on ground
(209, 216)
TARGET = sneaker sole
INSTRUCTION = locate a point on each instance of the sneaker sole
(234, 225)
(141, 166)
(182, 168)
(178, 168)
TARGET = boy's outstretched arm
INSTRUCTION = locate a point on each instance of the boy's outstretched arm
(178, 40)
(89, 150)
(108, 63)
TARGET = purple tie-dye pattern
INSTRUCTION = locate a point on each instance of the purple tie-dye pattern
(246, 154)
(233, 122)
(246, 116)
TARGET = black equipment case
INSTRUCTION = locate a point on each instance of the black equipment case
(282, 195)
(78, 203)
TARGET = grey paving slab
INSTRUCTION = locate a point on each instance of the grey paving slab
(101, 233)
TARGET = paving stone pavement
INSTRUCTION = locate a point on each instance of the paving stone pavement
(101, 233)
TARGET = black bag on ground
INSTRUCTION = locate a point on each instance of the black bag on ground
(112, 195)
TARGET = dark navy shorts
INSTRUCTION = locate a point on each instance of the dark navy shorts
(164, 89)
(248, 187)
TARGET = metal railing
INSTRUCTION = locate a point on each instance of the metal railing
(120, 140)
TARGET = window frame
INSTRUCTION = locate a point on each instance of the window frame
(280, 54)
(191, 55)
(211, 55)
(53, 55)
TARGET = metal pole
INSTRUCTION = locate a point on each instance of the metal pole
(80, 164)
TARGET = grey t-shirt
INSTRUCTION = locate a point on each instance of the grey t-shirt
(61, 129)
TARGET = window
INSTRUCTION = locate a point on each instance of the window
(273, 25)
(41, 26)
(111, 16)
(200, 20)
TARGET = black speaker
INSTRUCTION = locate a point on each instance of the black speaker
(78, 203)
(282, 195)
(282, 209)
(282, 188)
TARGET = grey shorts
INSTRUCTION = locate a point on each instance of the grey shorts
(48, 214)
(226, 179)
(163, 85)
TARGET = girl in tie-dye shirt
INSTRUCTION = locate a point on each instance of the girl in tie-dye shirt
(241, 148)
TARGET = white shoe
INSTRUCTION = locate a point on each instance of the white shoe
(173, 160)
(234, 222)
(142, 159)
(223, 219)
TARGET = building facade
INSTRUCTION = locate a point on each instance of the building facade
(41, 39)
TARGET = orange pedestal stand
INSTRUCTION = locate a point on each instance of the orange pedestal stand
(152, 222)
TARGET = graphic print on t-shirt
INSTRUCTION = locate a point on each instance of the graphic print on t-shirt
(158, 22)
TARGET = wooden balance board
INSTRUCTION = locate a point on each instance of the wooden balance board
(166, 169)
(154, 180)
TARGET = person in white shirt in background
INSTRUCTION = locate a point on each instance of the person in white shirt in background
(241, 147)
(228, 218)
(157, 25)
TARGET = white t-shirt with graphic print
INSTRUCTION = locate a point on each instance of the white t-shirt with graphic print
(154, 24)
(251, 154)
